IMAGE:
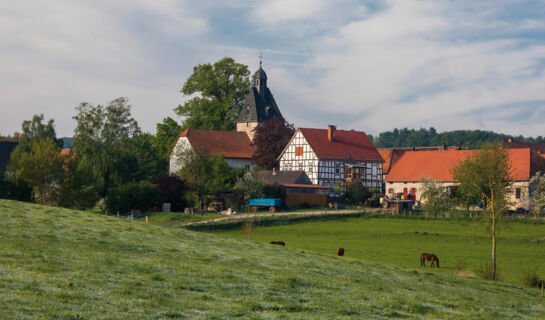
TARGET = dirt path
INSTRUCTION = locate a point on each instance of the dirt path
(294, 213)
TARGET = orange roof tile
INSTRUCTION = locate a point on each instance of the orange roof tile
(231, 144)
(415, 166)
(390, 156)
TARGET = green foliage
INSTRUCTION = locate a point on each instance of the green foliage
(274, 191)
(430, 137)
(204, 173)
(36, 130)
(173, 190)
(41, 168)
(102, 135)
(356, 194)
(530, 278)
(538, 196)
(167, 133)
(12, 190)
(251, 185)
(487, 175)
(436, 200)
(141, 196)
(78, 188)
(221, 90)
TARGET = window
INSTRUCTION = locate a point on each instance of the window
(517, 193)
(337, 168)
(247, 167)
(391, 190)
(298, 151)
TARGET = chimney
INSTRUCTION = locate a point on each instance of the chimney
(330, 132)
(274, 171)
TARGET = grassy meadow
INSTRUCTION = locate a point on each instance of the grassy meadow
(65, 264)
(463, 247)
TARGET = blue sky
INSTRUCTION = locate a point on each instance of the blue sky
(367, 65)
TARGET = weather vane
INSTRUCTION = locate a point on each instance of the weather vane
(260, 58)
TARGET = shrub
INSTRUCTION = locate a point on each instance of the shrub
(274, 191)
(133, 196)
(356, 193)
(531, 278)
(173, 190)
(484, 271)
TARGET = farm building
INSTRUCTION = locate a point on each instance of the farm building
(298, 187)
(329, 155)
(408, 173)
(235, 147)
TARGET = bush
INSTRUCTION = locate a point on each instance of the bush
(173, 190)
(530, 278)
(133, 196)
(235, 199)
(356, 193)
(484, 271)
(274, 191)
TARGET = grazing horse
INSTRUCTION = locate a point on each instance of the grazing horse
(430, 257)
(278, 243)
(340, 252)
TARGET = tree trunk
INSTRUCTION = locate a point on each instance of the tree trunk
(493, 212)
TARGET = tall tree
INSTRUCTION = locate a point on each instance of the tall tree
(488, 173)
(538, 196)
(36, 130)
(41, 168)
(166, 135)
(205, 173)
(220, 89)
(270, 139)
(102, 135)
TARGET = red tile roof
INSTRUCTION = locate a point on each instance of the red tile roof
(415, 166)
(539, 148)
(231, 144)
(390, 157)
(346, 145)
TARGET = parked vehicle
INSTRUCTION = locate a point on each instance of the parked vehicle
(273, 204)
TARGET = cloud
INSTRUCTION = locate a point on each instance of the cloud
(278, 11)
(408, 65)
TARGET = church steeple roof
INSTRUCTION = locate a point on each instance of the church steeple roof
(259, 104)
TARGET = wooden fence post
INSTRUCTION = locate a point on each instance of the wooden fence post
(146, 219)
(118, 214)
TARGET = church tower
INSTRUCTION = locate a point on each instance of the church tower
(258, 106)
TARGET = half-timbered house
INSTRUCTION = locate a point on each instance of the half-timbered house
(329, 155)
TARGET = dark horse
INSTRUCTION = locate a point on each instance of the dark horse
(278, 243)
(430, 257)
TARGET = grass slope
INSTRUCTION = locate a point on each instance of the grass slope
(63, 264)
(461, 245)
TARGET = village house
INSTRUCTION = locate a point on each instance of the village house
(407, 174)
(329, 155)
(236, 146)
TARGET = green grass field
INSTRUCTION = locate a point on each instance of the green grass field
(462, 246)
(64, 264)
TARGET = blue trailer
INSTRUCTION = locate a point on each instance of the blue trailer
(273, 204)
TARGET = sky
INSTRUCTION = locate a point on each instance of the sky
(364, 65)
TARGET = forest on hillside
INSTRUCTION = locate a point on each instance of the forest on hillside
(430, 137)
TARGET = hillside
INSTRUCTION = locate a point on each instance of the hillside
(65, 264)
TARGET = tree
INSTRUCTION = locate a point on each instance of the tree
(77, 187)
(538, 198)
(221, 90)
(356, 193)
(270, 139)
(205, 173)
(488, 173)
(41, 168)
(167, 133)
(173, 190)
(102, 135)
(436, 198)
(36, 130)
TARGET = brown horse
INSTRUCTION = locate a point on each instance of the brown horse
(430, 257)
(340, 252)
